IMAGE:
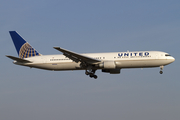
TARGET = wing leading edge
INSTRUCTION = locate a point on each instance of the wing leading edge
(77, 57)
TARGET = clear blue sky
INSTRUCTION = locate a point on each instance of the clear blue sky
(85, 26)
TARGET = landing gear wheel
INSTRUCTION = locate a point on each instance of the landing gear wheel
(161, 72)
(91, 73)
(87, 73)
(91, 76)
(95, 76)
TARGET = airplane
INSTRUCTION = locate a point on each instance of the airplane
(90, 62)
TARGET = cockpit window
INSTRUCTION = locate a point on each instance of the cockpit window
(167, 55)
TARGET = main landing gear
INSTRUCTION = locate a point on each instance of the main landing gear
(161, 69)
(91, 73)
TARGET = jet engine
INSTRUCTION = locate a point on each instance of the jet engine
(112, 71)
(108, 65)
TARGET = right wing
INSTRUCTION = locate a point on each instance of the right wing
(18, 59)
(77, 57)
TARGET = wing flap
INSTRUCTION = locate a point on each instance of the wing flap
(18, 59)
(77, 57)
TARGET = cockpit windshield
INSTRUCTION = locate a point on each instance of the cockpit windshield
(167, 55)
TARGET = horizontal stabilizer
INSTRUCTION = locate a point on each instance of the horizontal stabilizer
(18, 59)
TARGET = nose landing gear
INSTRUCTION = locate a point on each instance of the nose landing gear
(161, 68)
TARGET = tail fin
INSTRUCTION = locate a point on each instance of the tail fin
(23, 48)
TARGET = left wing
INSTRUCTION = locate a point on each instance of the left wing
(77, 57)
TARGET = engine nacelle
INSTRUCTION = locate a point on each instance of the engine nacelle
(108, 65)
(112, 71)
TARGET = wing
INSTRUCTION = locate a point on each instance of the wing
(77, 57)
(18, 59)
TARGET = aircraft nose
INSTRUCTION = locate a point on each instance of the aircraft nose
(172, 59)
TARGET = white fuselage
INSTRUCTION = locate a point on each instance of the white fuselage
(139, 59)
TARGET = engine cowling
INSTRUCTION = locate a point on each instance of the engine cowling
(112, 71)
(108, 65)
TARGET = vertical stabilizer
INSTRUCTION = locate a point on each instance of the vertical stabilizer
(23, 48)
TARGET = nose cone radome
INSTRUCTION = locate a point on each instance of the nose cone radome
(171, 59)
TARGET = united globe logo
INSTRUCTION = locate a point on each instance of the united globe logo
(27, 51)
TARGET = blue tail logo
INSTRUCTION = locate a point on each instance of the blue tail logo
(23, 48)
